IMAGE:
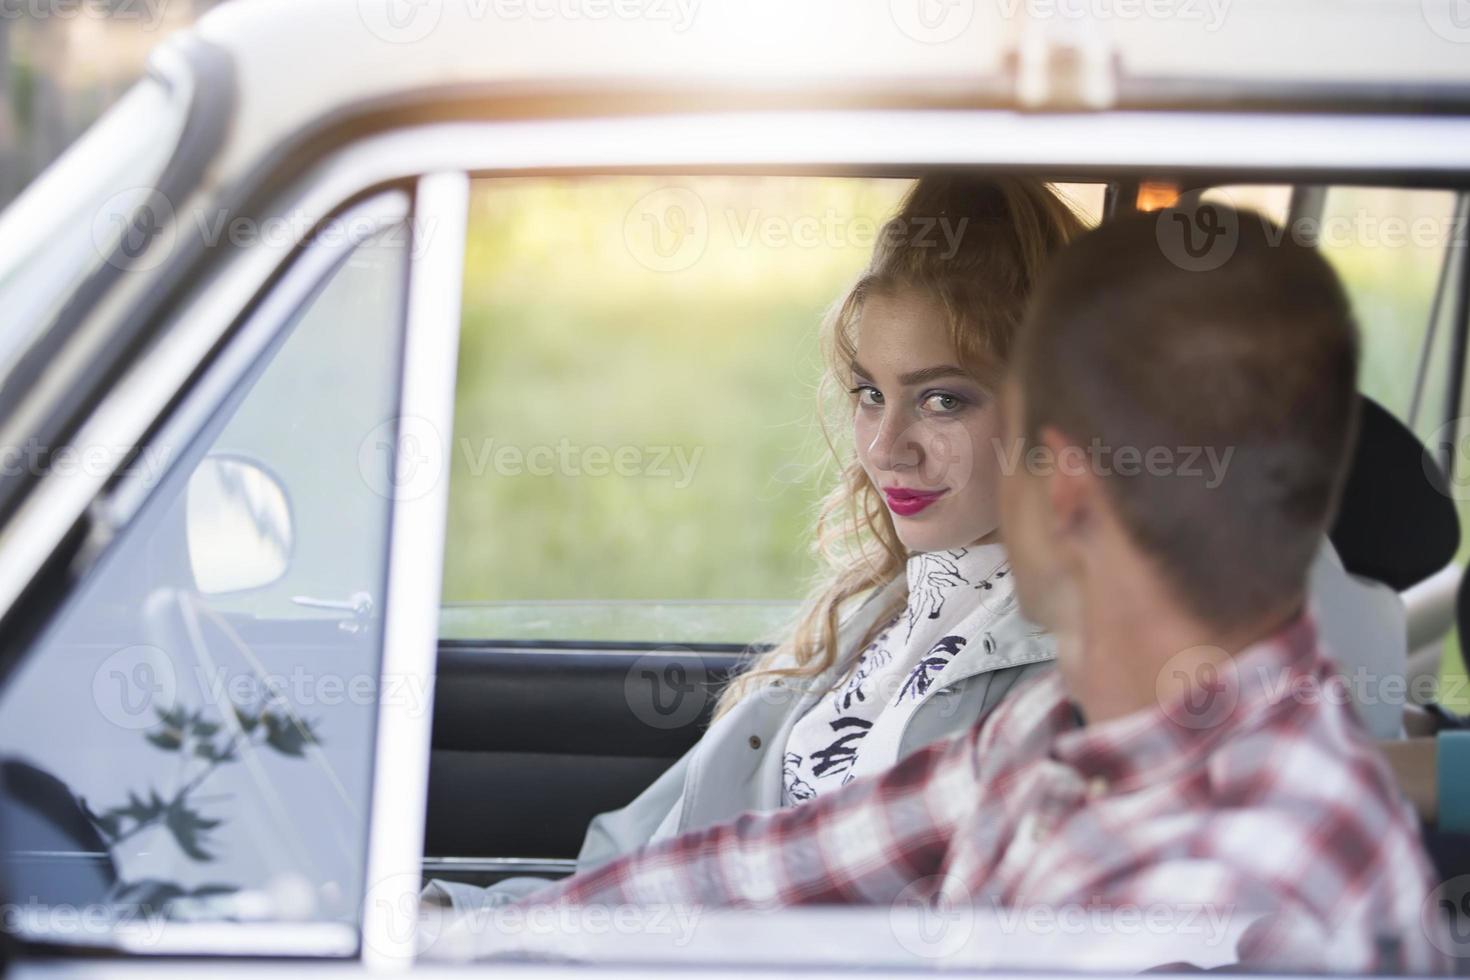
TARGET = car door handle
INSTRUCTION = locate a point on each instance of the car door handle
(359, 606)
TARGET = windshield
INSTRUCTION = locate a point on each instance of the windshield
(67, 222)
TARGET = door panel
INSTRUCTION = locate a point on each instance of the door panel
(530, 742)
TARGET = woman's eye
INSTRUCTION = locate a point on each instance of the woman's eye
(943, 402)
(868, 395)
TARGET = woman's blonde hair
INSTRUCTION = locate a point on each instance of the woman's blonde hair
(976, 247)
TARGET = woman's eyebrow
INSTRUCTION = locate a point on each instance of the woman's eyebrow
(931, 374)
(919, 376)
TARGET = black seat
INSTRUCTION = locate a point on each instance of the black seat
(1396, 523)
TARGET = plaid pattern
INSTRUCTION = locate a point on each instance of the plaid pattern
(1260, 796)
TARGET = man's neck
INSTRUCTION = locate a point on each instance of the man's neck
(1126, 627)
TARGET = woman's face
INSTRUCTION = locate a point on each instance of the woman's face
(925, 429)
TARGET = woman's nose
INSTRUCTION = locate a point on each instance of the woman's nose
(895, 445)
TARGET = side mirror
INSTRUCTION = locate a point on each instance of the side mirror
(238, 525)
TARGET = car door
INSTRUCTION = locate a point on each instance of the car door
(196, 737)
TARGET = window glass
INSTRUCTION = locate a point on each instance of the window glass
(187, 741)
(1388, 244)
(636, 452)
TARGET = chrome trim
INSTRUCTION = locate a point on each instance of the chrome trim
(841, 140)
(835, 142)
(487, 865)
(415, 565)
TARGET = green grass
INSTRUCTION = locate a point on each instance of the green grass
(569, 341)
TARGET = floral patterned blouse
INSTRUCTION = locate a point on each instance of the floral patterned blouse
(855, 728)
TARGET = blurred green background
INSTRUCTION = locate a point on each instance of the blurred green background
(699, 366)
(676, 320)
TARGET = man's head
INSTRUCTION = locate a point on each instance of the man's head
(1197, 420)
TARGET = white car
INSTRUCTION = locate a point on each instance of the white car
(227, 362)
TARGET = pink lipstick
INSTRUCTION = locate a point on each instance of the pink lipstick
(907, 503)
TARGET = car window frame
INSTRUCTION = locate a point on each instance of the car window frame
(835, 142)
(408, 590)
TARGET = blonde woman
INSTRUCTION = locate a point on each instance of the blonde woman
(914, 633)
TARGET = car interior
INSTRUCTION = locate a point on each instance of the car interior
(510, 794)
(534, 732)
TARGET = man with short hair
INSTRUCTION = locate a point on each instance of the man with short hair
(1185, 750)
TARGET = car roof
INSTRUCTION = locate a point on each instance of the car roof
(298, 65)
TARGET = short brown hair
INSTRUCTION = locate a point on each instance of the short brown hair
(1130, 343)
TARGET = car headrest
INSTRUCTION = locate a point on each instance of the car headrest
(1396, 523)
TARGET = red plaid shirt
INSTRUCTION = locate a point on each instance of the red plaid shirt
(1258, 796)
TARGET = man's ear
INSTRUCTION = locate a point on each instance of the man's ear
(1072, 488)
